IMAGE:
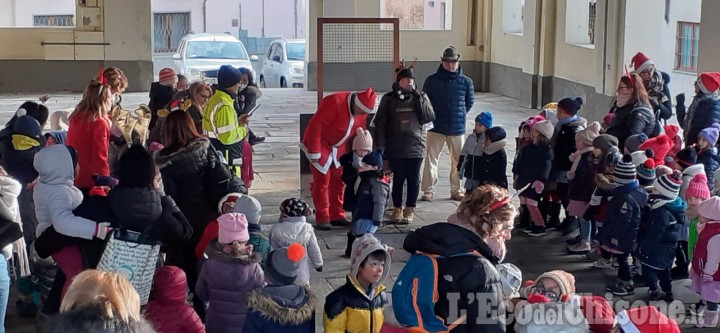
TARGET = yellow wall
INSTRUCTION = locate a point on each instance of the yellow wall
(709, 39)
(572, 62)
(506, 49)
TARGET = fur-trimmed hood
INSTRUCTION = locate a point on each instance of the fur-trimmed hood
(214, 251)
(285, 305)
(196, 150)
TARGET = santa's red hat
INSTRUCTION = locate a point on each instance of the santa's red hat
(641, 62)
(365, 100)
(660, 145)
(598, 313)
(646, 319)
(709, 82)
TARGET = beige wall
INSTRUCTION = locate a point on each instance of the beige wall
(506, 49)
(709, 38)
(572, 62)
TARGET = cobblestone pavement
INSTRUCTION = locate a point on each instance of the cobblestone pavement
(277, 164)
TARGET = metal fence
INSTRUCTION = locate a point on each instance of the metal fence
(591, 20)
(54, 20)
(168, 30)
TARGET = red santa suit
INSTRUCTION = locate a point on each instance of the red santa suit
(324, 140)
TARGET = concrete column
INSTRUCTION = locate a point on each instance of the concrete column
(128, 30)
(709, 51)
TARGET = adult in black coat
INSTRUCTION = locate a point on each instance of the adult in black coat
(656, 84)
(705, 108)
(632, 110)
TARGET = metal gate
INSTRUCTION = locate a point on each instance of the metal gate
(168, 30)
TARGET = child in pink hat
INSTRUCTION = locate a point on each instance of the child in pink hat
(231, 272)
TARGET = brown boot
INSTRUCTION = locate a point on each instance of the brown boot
(408, 214)
(457, 196)
(397, 215)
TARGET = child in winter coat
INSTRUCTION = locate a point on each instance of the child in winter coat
(55, 199)
(357, 306)
(282, 305)
(251, 208)
(697, 192)
(705, 273)
(293, 228)
(618, 235)
(707, 152)
(658, 234)
(469, 164)
(371, 196)
(533, 168)
(525, 134)
(168, 311)
(493, 161)
(584, 167)
(161, 93)
(686, 162)
(227, 277)
(351, 162)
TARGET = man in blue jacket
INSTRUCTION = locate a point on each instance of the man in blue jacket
(451, 96)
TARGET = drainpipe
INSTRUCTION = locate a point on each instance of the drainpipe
(13, 6)
(205, 15)
(263, 19)
(296, 17)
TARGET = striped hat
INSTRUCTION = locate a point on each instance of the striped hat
(668, 185)
(624, 172)
(646, 172)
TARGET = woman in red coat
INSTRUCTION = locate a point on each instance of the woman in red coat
(89, 132)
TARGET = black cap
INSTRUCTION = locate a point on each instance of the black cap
(450, 54)
(228, 76)
(405, 73)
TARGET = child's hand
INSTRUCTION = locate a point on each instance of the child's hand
(538, 186)
(707, 277)
(102, 230)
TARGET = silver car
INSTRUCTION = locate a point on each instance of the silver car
(200, 56)
(284, 64)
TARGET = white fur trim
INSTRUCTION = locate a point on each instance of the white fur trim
(624, 321)
(361, 105)
(702, 86)
(227, 196)
(21, 112)
(647, 64)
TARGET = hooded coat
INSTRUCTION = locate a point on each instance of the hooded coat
(703, 112)
(92, 320)
(297, 230)
(622, 220)
(461, 274)
(452, 96)
(18, 146)
(658, 234)
(287, 309)
(225, 281)
(352, 308)
(168, 311)
(534, 163)
(55, 196)
(371, 197)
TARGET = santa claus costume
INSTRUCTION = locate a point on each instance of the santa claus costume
(335, 121)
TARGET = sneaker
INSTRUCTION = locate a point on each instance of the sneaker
(528, 229)
(427, 196)
(323, 226)
(397, 215)
(655, 295)
(457, 196)
(621, 289)
(579, 248)
(408, 215)
(679, 273)
(602, 264)
(668, 297)
(573, 241)
(537, 231)
(340, 223)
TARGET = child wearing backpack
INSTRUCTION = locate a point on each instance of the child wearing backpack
(293, 228)
(357, 306)
(371, 197)
(469, 164)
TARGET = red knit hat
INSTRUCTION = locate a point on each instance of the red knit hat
(641, 62)
(698, 188)
(598, 313)
(365, 100)
(167, 77)
(660, 145)
(646, 319)
(671, 131)
(709, 82)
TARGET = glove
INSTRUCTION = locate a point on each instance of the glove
(102, 230)
(680, 99)
(319, 269)
(377, 223)
(538, 186)
(707, 277)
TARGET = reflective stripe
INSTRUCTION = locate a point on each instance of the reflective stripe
(225, 129)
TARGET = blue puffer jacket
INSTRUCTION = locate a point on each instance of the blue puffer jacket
(711, 161)
(619, 233)
(659, 234)
(451, 96)
(703, 112)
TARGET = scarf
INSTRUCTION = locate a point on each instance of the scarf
(575, 158)
(567, 120)
(494, 147)
(658, 200)
(654, 87)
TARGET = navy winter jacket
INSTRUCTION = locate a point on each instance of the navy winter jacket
(703, 112)
(622, 220)
(711, 161)
(451, 96)
(533, 163)
(658, 234)
(371, 197)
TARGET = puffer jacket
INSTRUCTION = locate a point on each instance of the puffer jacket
(371, 196)
(703, 112)
(461, 274)
(225, 282)
(349, 178)
(563, 143)
(168, 311)
(632, 119)
(196, 179)
(296, 230)
(622, 220)
(399, 124)
(287, 309)
(18, 146)
(470, 161)
(451, 96)
(55, 196)
(533, 164)
(490, 167)
(260, 243)
(92, 319)
(658, 234)
(711, 162)
(159, 97)
(582, 184)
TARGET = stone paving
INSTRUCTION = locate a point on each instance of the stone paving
(277, 164)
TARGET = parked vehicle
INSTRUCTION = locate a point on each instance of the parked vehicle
(284, 64)
(200, 56)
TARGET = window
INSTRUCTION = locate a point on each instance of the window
(419, 14)
(295, 51)
(54, 20)
(472, 22)
(270, 51)
(215, 50)
(168, 30)
(686, 49)
(580, 22)
(512, 16)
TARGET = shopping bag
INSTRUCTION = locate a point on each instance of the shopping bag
(134, 256)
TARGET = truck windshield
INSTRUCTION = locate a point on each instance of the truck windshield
(215, 50)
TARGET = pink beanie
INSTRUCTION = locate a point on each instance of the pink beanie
(232, 228)
(698, 188)
(710, 209)
(363, 140)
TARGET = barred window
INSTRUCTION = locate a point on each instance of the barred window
(54, 20)
(686, 48)
(168, 30)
